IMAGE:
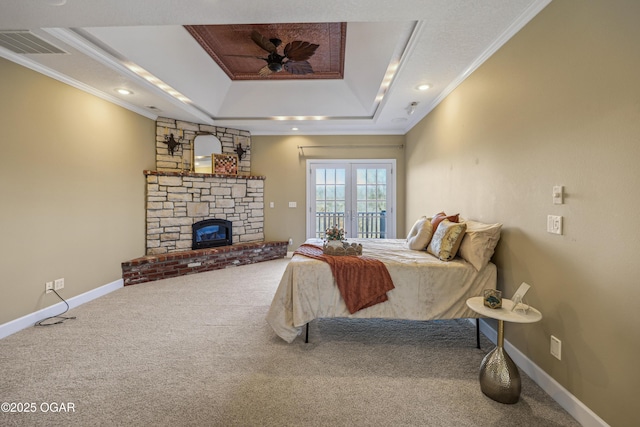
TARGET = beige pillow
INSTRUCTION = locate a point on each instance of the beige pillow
(420, 234)
(415, 227)
(479, 243)
(446, 240)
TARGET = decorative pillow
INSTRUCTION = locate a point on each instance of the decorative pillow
(437, 218)
(416, 226)
(479, 243)
(420, 234)
(446, 240)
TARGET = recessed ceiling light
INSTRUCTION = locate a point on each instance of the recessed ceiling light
(423, 87)
(141, 72)
(294, 128)
(124, 91)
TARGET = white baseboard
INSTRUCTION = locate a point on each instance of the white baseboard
(23, 322)
(578, 410)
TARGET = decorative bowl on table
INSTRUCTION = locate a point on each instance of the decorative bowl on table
(492, 298)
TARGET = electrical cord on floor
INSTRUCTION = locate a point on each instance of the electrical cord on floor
(60, 316)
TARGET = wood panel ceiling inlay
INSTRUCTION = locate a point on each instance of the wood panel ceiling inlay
(232, 48)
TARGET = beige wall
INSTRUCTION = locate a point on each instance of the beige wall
(278, 158)
(559, 104)
(71, 189)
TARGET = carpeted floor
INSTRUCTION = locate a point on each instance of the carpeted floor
(196, 351)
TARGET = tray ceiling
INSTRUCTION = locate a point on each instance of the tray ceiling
(388, 49)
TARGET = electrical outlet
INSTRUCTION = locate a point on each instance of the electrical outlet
(290, 241)
(59, 284)
(48, 287)
(556, 348)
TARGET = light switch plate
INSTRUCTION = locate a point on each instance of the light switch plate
(558, 194)
(293, 204)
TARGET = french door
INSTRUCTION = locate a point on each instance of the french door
(357, 195)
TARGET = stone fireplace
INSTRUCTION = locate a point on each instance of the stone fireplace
(177, 198)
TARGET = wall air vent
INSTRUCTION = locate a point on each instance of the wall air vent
(23, 42)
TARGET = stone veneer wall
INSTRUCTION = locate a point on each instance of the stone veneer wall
(176, 200)
(181, 159)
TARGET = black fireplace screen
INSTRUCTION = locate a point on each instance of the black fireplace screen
(211, 233)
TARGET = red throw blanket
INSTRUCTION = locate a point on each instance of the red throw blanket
(362, 281)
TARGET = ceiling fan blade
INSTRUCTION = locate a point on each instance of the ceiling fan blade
(299, 50)
(265, 71)
(298, 67)
(263, 42)
(247, 56)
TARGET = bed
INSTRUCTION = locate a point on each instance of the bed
(426, 287)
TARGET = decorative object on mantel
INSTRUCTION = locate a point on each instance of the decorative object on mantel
(239, 150)
(492, 298)
(171, 142)
(339, 248)
(225, 164)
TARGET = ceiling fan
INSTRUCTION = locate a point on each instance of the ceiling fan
(294, 59)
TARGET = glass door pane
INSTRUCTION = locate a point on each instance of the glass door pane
(330, 200)
(371, 202)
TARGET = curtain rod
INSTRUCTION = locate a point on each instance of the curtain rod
(399, 146)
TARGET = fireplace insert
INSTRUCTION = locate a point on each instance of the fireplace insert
(211, 233)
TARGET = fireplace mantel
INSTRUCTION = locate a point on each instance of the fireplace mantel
(200, 175)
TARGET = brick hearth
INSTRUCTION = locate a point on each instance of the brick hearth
(155, 267)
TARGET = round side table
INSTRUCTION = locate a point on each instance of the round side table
(499, 376)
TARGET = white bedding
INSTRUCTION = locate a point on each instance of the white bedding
(425, 288)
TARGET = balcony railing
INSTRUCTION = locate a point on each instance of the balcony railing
(369, 225)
